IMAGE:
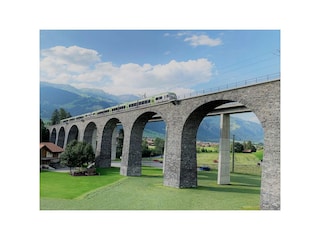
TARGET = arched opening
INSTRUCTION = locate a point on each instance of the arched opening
(73, 134)
(111, 143)
(153, 147)
(188, 151)
(53, 136)
(90, 135)
(61, 136)
(210, 132)
(136, 144)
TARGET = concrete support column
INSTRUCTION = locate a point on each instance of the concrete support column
(114, 143)
(224, 150)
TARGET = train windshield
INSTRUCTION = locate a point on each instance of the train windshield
(172, 96)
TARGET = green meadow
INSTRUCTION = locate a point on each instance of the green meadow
(111, 191)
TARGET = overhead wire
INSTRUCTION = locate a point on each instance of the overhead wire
(239, 64)
(232, 68)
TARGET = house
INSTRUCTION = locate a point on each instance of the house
(49, 153)
(247, 151)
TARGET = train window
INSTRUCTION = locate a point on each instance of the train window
(134, 104)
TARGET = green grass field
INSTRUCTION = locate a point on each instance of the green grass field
(244, 162)
(62, 185)
(111, 191)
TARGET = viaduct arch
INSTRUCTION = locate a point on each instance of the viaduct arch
(183, 118)
(73, 134)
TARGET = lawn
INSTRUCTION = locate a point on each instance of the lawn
(110, 191)
(243, 162)
(62, 185)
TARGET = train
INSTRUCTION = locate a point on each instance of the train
(164, 97)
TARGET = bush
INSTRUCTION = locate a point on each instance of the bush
(77, 154)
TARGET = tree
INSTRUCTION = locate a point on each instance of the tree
(77, 154)
(44, 132)
(253, 148)
(146, 152)
(238, 147)
(249, 146)
(63, 114)
(159, 146)
(55, 117)
(58, 115)
(69, 156)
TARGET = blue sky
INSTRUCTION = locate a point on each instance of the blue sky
(153, 61)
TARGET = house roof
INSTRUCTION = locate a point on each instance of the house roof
(51, 146)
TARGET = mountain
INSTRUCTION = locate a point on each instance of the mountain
(209, 130)
(76, 101)
(79, 101)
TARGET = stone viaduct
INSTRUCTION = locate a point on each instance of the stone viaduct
(182, 118)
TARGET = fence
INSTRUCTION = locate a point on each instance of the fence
(229, 86)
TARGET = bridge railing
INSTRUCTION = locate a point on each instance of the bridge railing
(229, 86)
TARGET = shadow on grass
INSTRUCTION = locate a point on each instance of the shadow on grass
(240, 183)
(108, 171)
(237, 179)
(151, 176)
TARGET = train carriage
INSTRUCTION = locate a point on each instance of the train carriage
(164, 97)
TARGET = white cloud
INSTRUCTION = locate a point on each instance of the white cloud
(73, 54)
(204, 40)
(83, 68)
(61, 59)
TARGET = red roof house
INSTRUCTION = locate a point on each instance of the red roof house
(49, 151)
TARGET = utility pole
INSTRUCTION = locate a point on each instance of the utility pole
(232, 170)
